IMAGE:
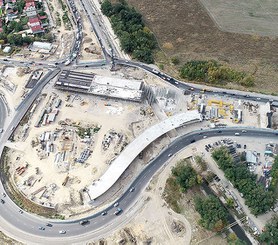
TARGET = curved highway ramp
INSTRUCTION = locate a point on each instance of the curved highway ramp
(121, 163)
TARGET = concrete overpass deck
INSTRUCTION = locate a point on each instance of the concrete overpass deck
(121, 163)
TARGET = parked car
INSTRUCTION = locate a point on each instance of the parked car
(104, 213)
(132, 189)
(62, 232)
(116, 204)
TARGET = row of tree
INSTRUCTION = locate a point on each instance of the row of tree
(135, 38)
(257, 198)
(214, 73)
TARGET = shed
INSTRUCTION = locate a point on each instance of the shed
(7, 49)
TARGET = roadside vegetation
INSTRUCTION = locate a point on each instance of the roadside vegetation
(185, 175)
(256, 197)
(183, 178)
(213, 73)
(135, 38)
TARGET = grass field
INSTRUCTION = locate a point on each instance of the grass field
(184, 29)
(252, 16)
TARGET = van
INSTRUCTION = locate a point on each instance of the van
(237, 134)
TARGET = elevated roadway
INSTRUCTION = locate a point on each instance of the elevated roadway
(126, 157)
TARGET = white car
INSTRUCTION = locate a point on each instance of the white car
(116, 204)
(62, 232)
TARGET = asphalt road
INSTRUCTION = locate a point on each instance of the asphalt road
(28, 224)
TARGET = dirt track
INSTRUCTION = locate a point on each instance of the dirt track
(184, 29)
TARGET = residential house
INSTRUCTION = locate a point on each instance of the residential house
(35, 25)
(10, 14)
(30, 9)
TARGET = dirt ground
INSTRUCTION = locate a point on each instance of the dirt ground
(127, 120)
(185, 30)
(7, 240)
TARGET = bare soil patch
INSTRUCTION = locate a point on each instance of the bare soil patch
(185, 30)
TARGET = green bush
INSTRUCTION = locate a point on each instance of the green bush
(214, 73)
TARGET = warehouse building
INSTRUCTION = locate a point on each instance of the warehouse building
(108, 87)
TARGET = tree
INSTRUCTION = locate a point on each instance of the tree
(201, 163)
(185, 175)
(19, 6)
(270, 234)
(18, 27)
(230, 202)
(213, 214)
(107, 8)
(15, 39)
(175, 60)
(144, 55)
(27, 40)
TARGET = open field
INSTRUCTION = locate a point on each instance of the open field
(185, 30)
(252, 17)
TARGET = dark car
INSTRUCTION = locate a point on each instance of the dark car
(2, 201)
(84, 222)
